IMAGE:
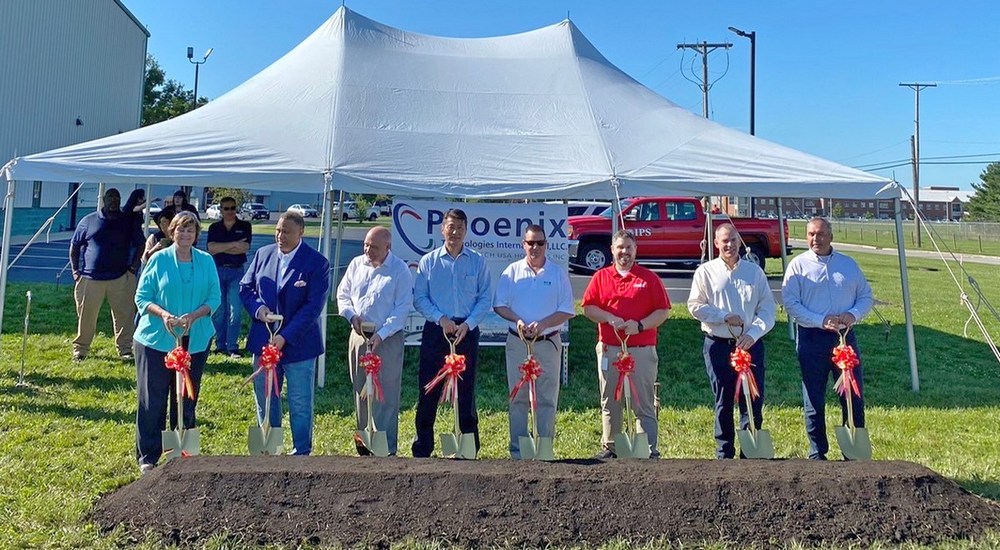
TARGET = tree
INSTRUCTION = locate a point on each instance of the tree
(984, 205)
(241, 195)
(361, 205)
(162, 98)
(838, 210)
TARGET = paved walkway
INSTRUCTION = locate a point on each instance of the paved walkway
(971, 258)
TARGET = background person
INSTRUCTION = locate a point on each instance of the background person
(630, 299)
(452, 291)
(824, 291)
(159, 239)
(734, 303)
(292, 279)
(179, 288)
(535, 296)
(228, 243)
(179, 203)
(377, 288)
(104, 255)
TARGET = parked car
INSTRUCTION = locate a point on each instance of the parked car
(304, 210)
(384, 208)
(257, 210)
(215, 213)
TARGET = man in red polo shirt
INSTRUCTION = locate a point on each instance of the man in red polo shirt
(626, 301)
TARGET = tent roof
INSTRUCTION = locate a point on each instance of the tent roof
(539, 114)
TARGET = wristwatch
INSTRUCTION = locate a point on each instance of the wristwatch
(639, 323)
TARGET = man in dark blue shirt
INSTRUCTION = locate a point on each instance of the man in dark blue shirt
(104, 254)
(229, 242)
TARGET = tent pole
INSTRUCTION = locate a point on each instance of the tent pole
(8, 220)
(784, 257)
(709, 231)
(905, 282)
(324, 243)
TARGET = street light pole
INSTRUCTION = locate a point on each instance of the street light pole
(197, 65)
(752, 35)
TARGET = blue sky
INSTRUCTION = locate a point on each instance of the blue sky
(827, 72)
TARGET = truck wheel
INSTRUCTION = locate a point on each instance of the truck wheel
(757, 255)
(372, 217)
(594, 256)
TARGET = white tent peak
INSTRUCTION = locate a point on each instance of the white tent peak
(536, 114)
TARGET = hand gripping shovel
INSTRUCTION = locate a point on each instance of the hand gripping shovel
(457, 444)
(754, 443)
(532, 447)
(263, 438)
(181, 441)
(628, 443)
(853, 441)
(370, 440)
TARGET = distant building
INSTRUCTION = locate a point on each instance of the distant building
(72, 71)
(936, 204)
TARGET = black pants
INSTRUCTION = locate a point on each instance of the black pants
(433, 349)
(155, 387)
(815, 352)
(723, 379)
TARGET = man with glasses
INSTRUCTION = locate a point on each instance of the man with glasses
(452, 291)
(228, 243)
(824, 292)
(628, 302)
(534, 295)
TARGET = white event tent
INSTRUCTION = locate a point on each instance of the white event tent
(366, 108)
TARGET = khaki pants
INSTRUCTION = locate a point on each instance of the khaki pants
(642, 380)
(549, 355)
(386, 412)
(89, 296)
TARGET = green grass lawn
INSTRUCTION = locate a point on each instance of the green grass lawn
(69, 436)
(960, 238)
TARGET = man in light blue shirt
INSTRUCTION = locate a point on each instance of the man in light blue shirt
(377, 289)
(452, 291)
(824, 292)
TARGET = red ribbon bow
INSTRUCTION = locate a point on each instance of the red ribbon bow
(269, 358)
(530, 369)
(372, 364)
(846, 358)
(740, 359)
(626, 366)
(450, 373)
(178, 359)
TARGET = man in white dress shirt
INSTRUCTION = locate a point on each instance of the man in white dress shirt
(535, 296)
(733, 301)
(824, 292)
(377, 288)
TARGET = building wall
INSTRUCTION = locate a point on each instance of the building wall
(65, 61)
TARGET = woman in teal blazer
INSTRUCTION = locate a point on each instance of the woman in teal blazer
(179, 288)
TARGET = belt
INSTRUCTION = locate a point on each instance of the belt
(548, 336)
(232, 266)
(721, 340)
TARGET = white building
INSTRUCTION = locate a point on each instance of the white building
(70, 71)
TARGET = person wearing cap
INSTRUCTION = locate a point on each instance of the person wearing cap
(228, 243)
(452, 290)
(534, 295)
(104, 255)
(376, 293)
(733, 301)
(627, 301)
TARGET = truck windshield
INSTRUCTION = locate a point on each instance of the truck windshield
(622, 205)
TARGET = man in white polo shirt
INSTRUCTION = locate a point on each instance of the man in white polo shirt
(534, 295)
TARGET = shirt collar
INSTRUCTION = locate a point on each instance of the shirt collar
(290, 255)
(366, 261)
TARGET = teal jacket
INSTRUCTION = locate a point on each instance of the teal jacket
(161, 284)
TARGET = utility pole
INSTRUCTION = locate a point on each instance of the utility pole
(916, 87)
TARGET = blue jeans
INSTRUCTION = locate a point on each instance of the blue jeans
(228, 318)
(301, 378)
(815, 351)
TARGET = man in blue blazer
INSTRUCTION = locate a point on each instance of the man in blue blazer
(291, 279)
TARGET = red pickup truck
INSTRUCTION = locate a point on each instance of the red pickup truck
(668, 230)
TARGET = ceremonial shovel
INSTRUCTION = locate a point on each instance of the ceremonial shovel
(457, 444)
(370, 438)
(534, 447)
(265, 439)
(182, 441)
(854, 442)
(754, 443)
(629, 443)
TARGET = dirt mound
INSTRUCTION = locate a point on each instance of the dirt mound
(351, 501)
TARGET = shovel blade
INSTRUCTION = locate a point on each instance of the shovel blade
(856, 445)
(527, 448)
(760, 447)
(544, 449)
(636, 446)
(260, 445)
(623, 446)
(462, 446)
(171, 443)
(378, 444)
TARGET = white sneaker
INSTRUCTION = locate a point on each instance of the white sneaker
(146, 468)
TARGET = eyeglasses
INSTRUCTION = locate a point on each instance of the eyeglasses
(534, 243)
(229, 208)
